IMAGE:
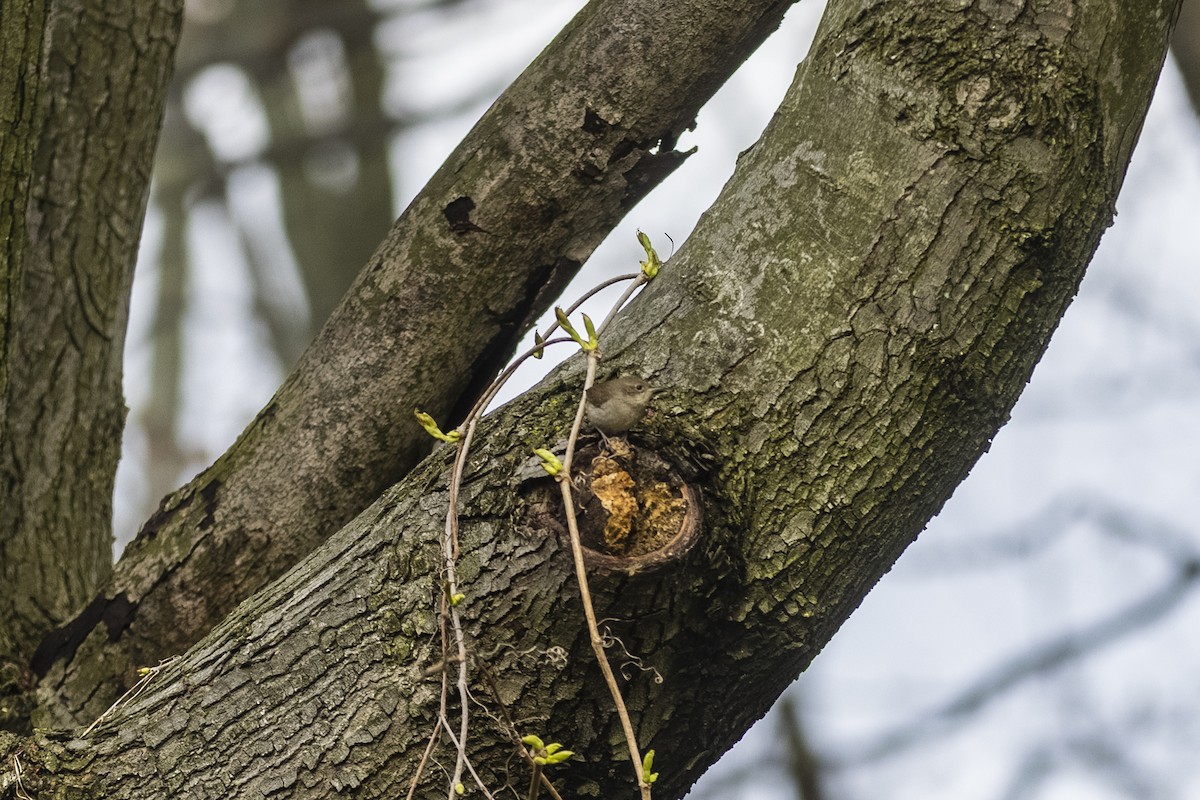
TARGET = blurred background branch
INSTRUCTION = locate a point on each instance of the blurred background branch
(276, 154)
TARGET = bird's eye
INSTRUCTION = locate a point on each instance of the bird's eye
(639, 386)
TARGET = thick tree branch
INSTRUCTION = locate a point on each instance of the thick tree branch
(583, 134)
(842, 335)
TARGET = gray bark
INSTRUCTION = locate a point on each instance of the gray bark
(83, 116)
(841, 337)
(481, 252)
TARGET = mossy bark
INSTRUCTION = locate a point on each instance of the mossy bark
(583, 134)
(840, 338)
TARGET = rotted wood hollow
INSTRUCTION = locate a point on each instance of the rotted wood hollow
(636, 511)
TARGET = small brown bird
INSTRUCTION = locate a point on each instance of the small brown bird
(615, 406)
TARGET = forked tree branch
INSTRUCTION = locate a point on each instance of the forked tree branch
(486, 246)
(838, 341)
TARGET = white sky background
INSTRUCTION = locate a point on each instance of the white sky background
(1100, 454)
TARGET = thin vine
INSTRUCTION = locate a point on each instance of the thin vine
(452, 597)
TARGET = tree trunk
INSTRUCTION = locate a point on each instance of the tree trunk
(838, 341)
(83, 118)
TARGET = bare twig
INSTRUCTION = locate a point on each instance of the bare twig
(17, 781)
(470, 767)
(589, 612)
(564, 485)
(639, 280)
(412, 789)
(148, 674)
(535, 781)
(513, 733)
(451, 596)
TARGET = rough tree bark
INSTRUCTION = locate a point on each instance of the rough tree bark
(82, 106)
(583, 134)
(841, 337)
